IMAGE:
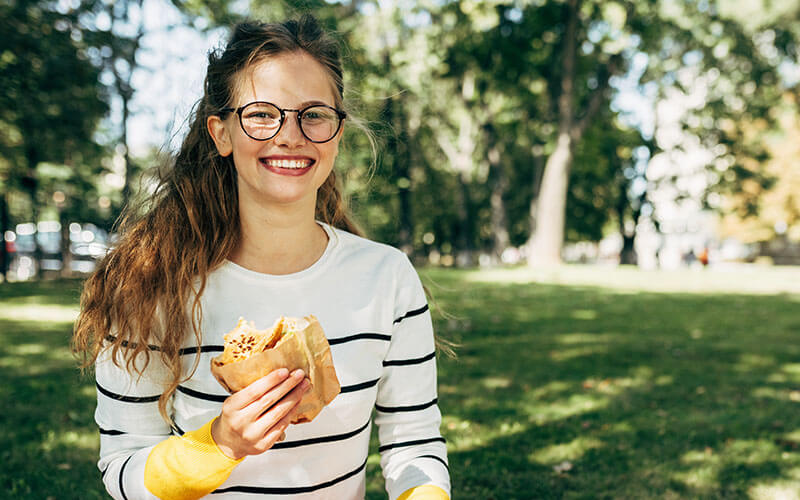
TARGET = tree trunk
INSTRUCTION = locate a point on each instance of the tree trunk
(402, 167)
(31, 185)
(498, 182)
(545, 249)
(5, 222)
(538, 171)
(398, 163)
(464, 252)
(64, 244)
(551, 210)
(551, 206)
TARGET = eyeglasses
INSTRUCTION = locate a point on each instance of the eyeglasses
(262, 120)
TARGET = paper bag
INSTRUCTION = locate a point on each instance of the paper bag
(307, 349)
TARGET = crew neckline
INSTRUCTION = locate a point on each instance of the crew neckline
(333, 240)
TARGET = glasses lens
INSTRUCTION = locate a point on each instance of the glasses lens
(261, 120)
(319, 123)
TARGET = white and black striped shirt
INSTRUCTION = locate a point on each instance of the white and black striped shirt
(369, 300)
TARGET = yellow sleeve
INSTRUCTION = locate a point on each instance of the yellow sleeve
(424, 492)
(187, 467)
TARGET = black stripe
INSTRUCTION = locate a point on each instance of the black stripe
(103, 472)
(121, 471)
(185, 350)
(175, 428)
(361, 386)
(217, 398)
(291, 491)
(359, 336)
(409, 314)
(132, 345)
(111, 432)
(396, 409)
(126, 399)
(437, 458)
(410, 443)
(415, 361)
(321, 439)
(202, 349)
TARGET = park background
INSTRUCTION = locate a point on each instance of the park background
(603, 198)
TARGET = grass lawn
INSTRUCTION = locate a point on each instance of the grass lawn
(575, 383)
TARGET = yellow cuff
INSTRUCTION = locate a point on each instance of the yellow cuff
(187, 467)
(424, 492)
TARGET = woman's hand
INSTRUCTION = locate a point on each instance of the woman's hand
(253, 419)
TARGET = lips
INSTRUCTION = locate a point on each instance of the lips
(287, 165)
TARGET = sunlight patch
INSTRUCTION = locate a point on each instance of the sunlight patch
(779, 490)
(583, 338)
(573, 450)
(39, 313)
(70, 439)
(586, 314)
(576, 404)
(577, 352)
(749, 361)
(496, 382)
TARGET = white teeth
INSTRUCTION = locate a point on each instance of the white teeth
(288, 163)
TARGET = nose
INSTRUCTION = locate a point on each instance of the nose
(290, 134)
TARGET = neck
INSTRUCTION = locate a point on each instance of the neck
(279, 240)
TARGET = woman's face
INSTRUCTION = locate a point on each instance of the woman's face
(288, 168)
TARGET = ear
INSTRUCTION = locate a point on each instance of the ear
(220, 135)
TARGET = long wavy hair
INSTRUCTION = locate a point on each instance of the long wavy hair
(144, 297)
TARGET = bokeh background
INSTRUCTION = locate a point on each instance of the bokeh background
(603, 198)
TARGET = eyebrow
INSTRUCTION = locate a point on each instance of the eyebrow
(313, 103)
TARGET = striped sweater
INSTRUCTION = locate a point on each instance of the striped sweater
(371, 304)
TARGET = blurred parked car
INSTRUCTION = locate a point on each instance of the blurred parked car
(87, 244)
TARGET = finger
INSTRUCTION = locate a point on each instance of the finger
(282, 409)
(277, 432)
(270, 398)
(256, 390)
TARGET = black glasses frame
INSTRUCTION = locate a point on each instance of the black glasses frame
(341, 114)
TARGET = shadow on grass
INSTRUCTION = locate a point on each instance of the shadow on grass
(565, 392)
(558, 392)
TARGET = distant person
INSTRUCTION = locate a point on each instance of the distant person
(250, 222)
(703, 256)
(689, 258)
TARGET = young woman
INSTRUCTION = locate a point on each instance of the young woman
(249, 222)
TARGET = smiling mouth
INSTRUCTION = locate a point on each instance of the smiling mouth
(294, 164)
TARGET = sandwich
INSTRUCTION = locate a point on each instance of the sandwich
(291, 343)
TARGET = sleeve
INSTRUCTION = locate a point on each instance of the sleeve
(187, 467)
(413, 451)
(136, 450)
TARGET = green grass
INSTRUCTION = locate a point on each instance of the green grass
(574, 383)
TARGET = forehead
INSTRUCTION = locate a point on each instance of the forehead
(287, 80)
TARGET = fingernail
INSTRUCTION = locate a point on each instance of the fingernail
(283, 373)
(306, 384)
(298, 373)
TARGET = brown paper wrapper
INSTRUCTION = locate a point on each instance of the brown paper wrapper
(307, 349)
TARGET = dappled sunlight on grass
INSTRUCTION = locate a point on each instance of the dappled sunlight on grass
(542, 412)
(465, 435)
(574, 450)
(706, 468)
(743, 279)
(585, 314)
(577, 352)
(496, 382)
(10, 310)
(749, 361)
(88, 440)
(558, 391)
(585, 338)
(776, 490)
